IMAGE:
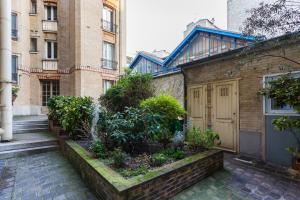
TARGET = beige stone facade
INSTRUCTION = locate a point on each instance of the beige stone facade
(65, 47)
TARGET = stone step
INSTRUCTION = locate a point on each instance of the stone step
(27, 151)
(30, 126)
(31, 122)
(30, 130)
(26, 144)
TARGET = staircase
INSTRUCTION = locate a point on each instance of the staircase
(31, 136)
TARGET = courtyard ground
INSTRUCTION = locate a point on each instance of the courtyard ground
(50, 176)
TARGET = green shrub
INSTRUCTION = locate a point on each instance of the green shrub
(132, 127)
(158, 159)
(98, 148)
(197, 139)
(170, 111)
(118, 157)
(72, 113)
(129, 91)
(173, 153)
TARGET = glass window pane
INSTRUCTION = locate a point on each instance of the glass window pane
(49, 48)
(55, 49)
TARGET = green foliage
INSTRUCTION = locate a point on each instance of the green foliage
(118, 157)
(132, 127)
(158, 159)
(285, 91)
(173, 153)
(170, 111)
(141, 170)
(206, 139)
(129, 91)
(98, 148)
(71, 113)
(15, 90)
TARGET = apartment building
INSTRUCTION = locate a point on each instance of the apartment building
(65, 47)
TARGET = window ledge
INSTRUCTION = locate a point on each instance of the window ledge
(282, 114)
(33, 52)
(32, 14)
(49, 59)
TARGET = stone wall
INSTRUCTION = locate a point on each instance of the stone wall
(160, 184)
(172, 84)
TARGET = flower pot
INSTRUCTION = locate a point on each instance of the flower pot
(14, 98)
(296, 162)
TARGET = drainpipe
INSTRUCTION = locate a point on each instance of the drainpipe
(5, 70)
(184, 93)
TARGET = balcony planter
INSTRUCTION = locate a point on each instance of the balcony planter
(14, 92)
(296, 162)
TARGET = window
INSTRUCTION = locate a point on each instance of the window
(108, 55)
(14, 68)
(51, 50)
(51, 13)
(107, 84)
(49, 89)
(270, 104)
(33, 7)
(33, 45)
(108, 19)
(14, 26)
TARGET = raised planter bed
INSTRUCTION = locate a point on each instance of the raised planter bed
(161, 183)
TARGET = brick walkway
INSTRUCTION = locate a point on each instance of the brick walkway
(50, 176)
(41, 177)
(242, 182)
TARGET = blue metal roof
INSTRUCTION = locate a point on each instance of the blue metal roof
(141, 55)
(198, 29)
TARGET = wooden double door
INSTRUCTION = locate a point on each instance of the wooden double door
(215, 106)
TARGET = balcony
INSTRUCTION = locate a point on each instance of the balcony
(49, 26)
(109, 64)
(109, 26)
(49, 65)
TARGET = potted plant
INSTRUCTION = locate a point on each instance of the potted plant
(14, 91)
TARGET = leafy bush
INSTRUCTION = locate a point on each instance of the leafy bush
(128, 92)
(158, 159)
(198, 139)
(132, 127)
(170, 111)
(173, 153)
(71, 113)
(98, 148)
(15, 90)
(118, 157)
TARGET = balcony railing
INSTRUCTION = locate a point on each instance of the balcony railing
(109, 26)
(109, 64)
(49, 65)
(49, 26)
(14, 33)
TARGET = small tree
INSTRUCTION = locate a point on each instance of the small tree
(273, 19)
(286, 91)
(129, 91)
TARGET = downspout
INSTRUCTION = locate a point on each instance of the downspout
(5, 71)
(184, 94)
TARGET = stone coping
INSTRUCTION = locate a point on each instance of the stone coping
(122, 184)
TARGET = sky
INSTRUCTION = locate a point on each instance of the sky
(159, 24)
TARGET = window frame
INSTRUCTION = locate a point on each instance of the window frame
(53, 53)
(53, 13)
(105, 58)
(108, 24)
(52, 83)
(267, 102)
(14, 69)
(105, 89)
(33, 7)
(35, 49)
(14, 29)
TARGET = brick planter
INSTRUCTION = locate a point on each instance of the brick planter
(161, 183)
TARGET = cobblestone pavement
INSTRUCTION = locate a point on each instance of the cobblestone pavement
(238, 181)
(41, 177)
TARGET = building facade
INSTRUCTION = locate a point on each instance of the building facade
(65, 47)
